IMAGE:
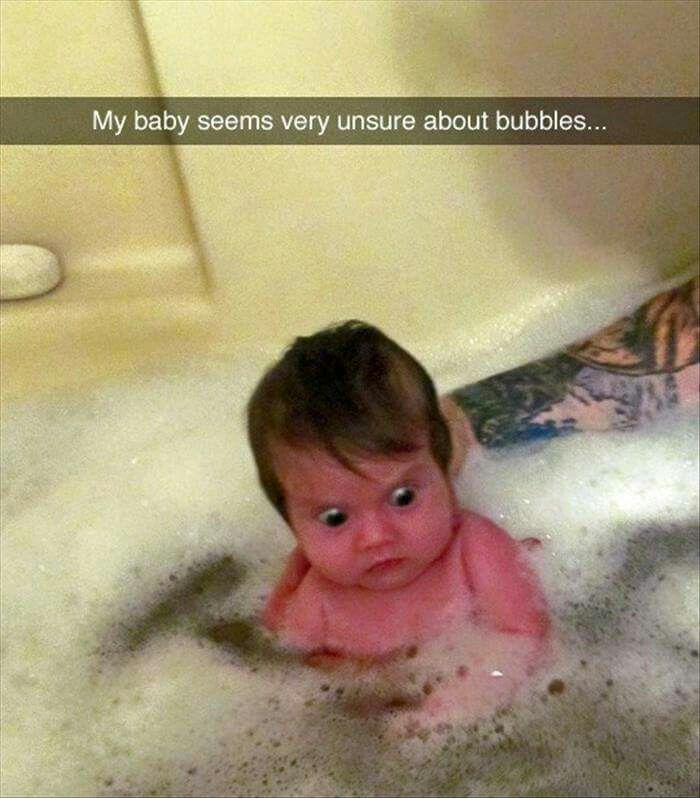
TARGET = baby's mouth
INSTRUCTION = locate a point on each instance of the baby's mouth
(386, 565)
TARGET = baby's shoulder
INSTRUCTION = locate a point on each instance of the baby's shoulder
(473, 525)
(479, 535)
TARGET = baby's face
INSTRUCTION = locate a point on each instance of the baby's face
(379, 529)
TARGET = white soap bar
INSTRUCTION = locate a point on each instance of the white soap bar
(27, 270)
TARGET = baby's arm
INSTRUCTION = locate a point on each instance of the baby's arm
(507, 592)
(295, 610)
(276, 606)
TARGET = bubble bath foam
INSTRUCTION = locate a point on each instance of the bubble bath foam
(137, 550)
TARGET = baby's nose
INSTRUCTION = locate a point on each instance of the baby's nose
(376, 531)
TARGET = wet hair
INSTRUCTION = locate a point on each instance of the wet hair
(350, 390)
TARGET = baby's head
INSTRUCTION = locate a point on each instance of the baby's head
(353, 451)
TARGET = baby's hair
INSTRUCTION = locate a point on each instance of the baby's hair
(350, 390)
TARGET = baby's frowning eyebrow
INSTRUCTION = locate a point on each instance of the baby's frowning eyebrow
(414, 473)
(315, 503)
(415, 476)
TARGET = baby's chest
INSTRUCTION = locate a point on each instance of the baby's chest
(374, 623)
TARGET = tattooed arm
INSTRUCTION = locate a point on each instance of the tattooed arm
(625, 375)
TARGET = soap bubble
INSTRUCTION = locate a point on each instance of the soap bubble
(138, 549)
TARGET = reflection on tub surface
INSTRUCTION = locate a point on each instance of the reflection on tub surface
(137, 549)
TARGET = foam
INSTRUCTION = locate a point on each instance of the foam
(137, 549)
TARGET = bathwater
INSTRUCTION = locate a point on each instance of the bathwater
(137, 550)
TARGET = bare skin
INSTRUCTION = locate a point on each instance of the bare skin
(627, 374)
(623, 376)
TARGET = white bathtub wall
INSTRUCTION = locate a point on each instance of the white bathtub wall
(435, 244)
(476, 258)
(116, 216)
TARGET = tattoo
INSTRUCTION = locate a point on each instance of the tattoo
(501, 408)
(625, 375)
(660, 337)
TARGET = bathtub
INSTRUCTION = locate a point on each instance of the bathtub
(137, 548)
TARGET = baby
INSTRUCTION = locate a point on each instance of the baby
(353, 450)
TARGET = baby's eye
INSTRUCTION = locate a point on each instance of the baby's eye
(333, 517)
(403, 496)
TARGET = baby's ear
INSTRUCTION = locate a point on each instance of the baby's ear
(461, 433)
